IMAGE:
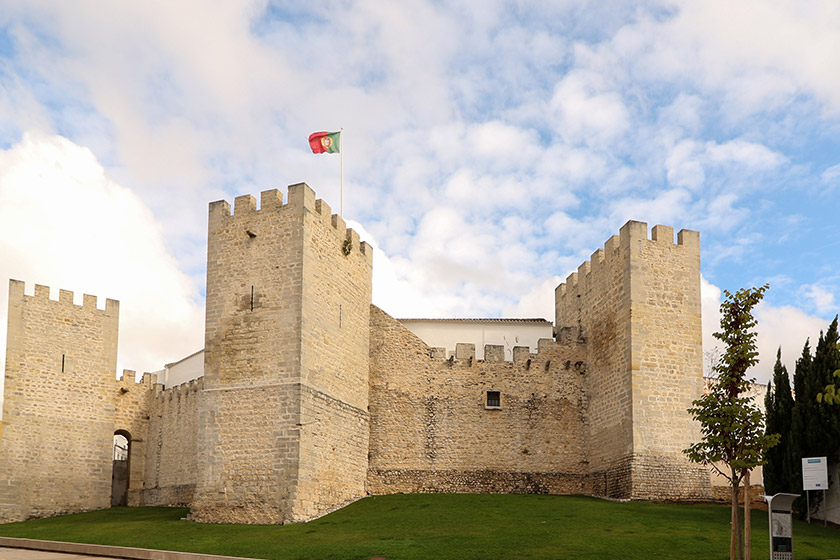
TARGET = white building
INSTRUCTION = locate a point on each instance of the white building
(445, 333)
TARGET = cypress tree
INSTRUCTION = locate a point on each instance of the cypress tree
(825, 437)
(815, 427)
(779, 405)
(772, 468)
(800, 422)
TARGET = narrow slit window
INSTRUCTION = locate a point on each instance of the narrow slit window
(252, 298)
(62, 363)
(494, 399)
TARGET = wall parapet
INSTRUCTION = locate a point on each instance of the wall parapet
(465, 351)
(300, 198)
(65, 297)
(632, 232)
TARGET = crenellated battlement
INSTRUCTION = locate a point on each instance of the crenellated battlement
(631, 236)
(547, 348)
(191, 386)
(300, 198)
(128, 380)
(65, 297)
(310, 397)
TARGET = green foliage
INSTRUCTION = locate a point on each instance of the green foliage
(813, 429)
(442, 526)
(826, 361)
(778, 404)
(815, 424)
(732, 428)
(832, 392)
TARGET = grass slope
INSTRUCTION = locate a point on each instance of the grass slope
(444, 526)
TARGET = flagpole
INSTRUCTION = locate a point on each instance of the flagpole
(341, 153)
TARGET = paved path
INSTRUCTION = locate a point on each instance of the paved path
(50, 550)
(22, 554)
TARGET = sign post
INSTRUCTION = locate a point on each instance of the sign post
(779, 509)
(814, 477)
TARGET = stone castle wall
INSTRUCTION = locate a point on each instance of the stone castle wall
(58, 419)
(432, 431)
(132, 405)
(249, 405)
(312, 397)
(637, 303)
(595, 300)
(335, 368)
(286, 366)
(171, 450)
(667, 363)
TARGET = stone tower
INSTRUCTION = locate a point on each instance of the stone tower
(637, 304)
(283, 421)
(58, 416)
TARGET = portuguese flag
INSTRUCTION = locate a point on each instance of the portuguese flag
(325, 142)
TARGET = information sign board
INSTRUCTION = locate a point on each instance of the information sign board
(781, 525)
(814, 473)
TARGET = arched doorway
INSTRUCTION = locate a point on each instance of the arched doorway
(119, 476)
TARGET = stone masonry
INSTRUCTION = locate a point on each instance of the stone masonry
(637, 305)
(312, 397)
(58, 421)
(283, 414)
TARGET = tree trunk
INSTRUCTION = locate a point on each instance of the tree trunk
(732, 525)
(735, 550)
(747, 521)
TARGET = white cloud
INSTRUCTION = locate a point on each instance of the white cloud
(585, 111)
(749, 154)
(710, 305)
(787, 327)
(684, 112)
(723, 214)
(65, 224)
(821, 298)
(784, 327)
(538, 302)
(831, 176)
(759, 56)
(688, 160)
(683, 166)
(666, 207)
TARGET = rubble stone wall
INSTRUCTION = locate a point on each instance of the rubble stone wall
(433, 431)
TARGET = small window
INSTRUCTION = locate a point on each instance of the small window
(494, 399)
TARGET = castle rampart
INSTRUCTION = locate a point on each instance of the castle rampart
(311, 397)
(132, 403)
(637, 303)
(169, 471)
(462, 425)
(286, 361)
(60, 365)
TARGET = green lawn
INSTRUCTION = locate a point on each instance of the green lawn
(445, 526)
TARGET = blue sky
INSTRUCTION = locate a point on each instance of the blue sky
(490, 147)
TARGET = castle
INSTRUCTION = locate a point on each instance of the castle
(312, 397)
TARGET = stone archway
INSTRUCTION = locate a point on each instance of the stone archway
(119, 473)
